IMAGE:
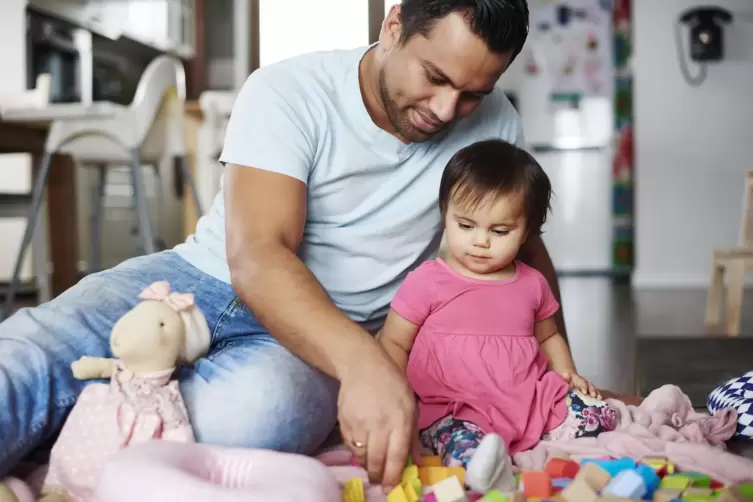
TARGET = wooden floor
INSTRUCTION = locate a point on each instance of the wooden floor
(636, 341)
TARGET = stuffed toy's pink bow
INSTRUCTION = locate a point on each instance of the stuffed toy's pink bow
(160, 291)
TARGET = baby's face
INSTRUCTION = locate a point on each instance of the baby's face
(485, 239)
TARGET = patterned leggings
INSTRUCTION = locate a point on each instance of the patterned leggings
(456, 440)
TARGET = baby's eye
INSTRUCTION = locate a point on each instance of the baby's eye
(464, 226)
(501, 232)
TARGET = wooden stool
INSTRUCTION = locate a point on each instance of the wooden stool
(734, 261)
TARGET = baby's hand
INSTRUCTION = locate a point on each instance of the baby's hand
(578, 383)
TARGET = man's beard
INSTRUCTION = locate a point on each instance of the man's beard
(399, 118)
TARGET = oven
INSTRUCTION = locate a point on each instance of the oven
(84, 67)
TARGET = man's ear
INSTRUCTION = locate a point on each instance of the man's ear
(392, 29)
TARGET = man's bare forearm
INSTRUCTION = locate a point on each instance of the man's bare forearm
(535, 254)
(288, 301)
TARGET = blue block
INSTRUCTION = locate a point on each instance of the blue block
(650, 478)
(561, 482)
(613, 467)
(627, 484)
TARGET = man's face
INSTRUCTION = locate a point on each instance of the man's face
(427, 83)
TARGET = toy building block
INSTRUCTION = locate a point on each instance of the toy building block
(410, 472)
(675, 482)
(736, 493)
(431, 461)
(612, 466)
(578, 491)
(353, 491)
(667, 495)
(449, 490)
(650, 479)
(628, 484)
(432, 475)
(561, 468)
(412, 489)
(458, 472)
(429, 497)
(698, 494)
(497, 496)
(593, 476)
(699, 479)
(536, 484)
(558, 454)
(397, 495)
(661, 465)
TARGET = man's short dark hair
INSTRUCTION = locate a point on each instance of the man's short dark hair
(502, 24)
(493, 168)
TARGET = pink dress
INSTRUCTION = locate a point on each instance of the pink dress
(109, 417)
(475, 356)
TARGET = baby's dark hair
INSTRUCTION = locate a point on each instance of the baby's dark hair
(492, 168)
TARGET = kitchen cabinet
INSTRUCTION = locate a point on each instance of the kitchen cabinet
(166, 25)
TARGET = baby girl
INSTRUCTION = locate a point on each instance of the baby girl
(476, 334)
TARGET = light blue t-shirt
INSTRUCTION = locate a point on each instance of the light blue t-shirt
(372, 212)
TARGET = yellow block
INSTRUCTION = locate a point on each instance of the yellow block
(410, 473)
(412, 490)
(353, 491)
(430, 476)
(398, 495)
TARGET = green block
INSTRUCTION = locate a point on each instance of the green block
(699, 480)
(495, 496)
(675, 482)
(409, 462)
(746, 489)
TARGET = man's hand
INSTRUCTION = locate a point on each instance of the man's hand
(580, 384)
(377, 412)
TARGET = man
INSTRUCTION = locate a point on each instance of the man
(332, 167)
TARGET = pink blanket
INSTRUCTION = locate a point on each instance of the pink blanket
(664, 425)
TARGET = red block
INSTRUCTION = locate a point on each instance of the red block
(561, 468)
(536, 484)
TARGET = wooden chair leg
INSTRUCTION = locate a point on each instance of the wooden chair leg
(715, 296)
(735, 287)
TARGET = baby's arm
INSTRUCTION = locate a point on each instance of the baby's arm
(555, 347)
(397, 338)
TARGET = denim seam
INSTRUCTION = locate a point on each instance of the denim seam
(223, 318)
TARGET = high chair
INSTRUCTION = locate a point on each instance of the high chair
(734, 262)
(147, 131)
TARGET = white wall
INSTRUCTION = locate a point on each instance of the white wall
(693, 146)
(12, 46)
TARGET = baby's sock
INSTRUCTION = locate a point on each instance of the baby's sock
(491, 467)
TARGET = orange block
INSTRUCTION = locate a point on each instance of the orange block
(430, 476)
(432, 461)
(561, 468)
(536, 484)
(459, 472)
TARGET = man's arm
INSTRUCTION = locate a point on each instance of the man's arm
(535, 254)
(265, 216)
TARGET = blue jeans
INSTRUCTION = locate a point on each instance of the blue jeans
(249, 391)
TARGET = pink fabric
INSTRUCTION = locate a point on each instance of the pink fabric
(163, 471)
(664, 425)
(107, 418)
(475, 356)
